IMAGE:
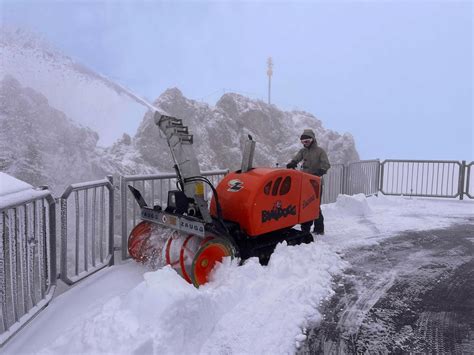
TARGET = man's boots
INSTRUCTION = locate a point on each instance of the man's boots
(319, 229)
(319, 224)
(306, 227)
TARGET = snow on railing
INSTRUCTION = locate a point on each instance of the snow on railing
(27, 257)
(87, 230)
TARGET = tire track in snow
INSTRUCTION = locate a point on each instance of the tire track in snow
(411, 293)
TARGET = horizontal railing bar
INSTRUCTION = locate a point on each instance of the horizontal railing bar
(361, 162)
(419, 161)
(418, 195)
(82, 275)
(24, 319)
(85, 186)
(167, 175)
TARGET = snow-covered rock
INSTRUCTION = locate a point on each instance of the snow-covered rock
(39, 144)
(220, 132)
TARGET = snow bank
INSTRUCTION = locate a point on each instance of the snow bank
(345, 205)
(239, 311)
(14, 191)
(354, 221)
(9, 184)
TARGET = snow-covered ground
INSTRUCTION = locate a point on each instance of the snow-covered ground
(13, 190)
(10, 185)
(251, 309)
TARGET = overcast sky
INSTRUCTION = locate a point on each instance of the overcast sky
(397, 75)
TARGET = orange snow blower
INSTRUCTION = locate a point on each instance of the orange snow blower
(251, 211)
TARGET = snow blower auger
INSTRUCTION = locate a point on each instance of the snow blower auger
(251, 211)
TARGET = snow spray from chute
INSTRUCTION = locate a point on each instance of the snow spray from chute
(121, 89)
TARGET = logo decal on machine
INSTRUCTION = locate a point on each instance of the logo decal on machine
(235, 185)
(308, 201)
(192, 227)
(278, 212)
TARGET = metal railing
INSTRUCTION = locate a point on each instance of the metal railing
(362, 177)
(154, 189)
(27, 258)
(333, 183)
(424, 178)
(90, 226)
(357, 177)
(469, 177)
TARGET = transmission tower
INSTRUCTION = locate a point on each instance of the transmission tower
(269, 73)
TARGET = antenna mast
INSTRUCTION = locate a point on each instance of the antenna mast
(269, 73)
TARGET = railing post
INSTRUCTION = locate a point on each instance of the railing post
(344, 179)
(377, 178)
(462, 173)
(111, 220)
(348, 180)
(124, 217)
(468, 180)
(382, 169)
(63, 223)
(52, 231)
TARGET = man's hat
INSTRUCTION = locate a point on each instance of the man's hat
(307, 133)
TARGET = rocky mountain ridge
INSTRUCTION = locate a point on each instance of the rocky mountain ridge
(221, 130)
(43, 144)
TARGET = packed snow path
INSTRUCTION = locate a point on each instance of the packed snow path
(249, 309)
(412, 293)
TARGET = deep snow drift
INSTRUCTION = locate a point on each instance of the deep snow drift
(248, 309)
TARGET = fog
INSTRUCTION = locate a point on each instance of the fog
(396, 75)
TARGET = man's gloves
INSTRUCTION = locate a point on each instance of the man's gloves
(320, 172)
(291, 165)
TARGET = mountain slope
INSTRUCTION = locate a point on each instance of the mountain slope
(39, 144)
(70, 87)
